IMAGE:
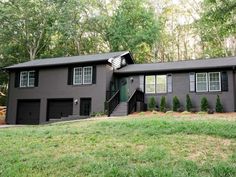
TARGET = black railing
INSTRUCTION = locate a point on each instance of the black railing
(113, 102)
(135, 97)
(109, 94)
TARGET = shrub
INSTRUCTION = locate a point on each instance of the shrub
(204, 104)
(219, 106)
(189, 105)
(176, 103)
(163, 104)
(151, 104)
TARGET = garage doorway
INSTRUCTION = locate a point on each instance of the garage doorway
(58, 108)
(28, 112)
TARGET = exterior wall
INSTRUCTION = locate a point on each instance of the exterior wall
(180, 85)
(53, 84)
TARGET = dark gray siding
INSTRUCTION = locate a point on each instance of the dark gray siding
(53, 84)
(181, 88)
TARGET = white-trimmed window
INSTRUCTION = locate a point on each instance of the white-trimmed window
(27, 78)
(87, 75)
(161, 84)
(83, 75)
(78, 76)
(214, 81)
(150, 84)
(201, 82)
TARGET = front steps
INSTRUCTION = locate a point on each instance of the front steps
(120, 110)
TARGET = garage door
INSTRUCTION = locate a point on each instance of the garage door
(58, 108)
(28, 112)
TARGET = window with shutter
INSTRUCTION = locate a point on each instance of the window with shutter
(192, 82)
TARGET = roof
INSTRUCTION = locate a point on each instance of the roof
(97, 58)
(198, 64)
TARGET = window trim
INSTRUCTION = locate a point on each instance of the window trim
(74, 76)
(91, 75)
(156, 84)
(27, 81)
(210, 82)
(207, 85)
(150, 84)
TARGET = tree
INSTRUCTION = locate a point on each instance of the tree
(133, 24)
(204, 104)
(219, 106)
(27, 25)
(188, 103)
(151, 103)
(163, 104)
(176, 103)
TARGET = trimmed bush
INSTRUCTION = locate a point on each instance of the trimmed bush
(189, 105)
(163, 104)
(219, 106)
(151, 104)
(204, 104)
(176, 104)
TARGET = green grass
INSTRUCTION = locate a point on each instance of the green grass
(149, 146)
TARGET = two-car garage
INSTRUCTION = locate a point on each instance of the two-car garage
(28, 110)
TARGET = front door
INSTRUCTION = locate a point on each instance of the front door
(123, 90)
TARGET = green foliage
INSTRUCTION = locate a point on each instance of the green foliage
(151, 103)
(188, 103)
(3, 100)
(133, 26)
(219, 106)
(175, 104)
(204, 104)
(150, 140)
(163, 104)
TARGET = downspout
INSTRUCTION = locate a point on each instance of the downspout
(234, 89)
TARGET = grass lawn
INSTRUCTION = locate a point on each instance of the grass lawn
(153, 145)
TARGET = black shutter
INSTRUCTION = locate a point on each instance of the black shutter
(36, 78)
(70, 76)
(17, 79)
(224, 81)
(94, 74)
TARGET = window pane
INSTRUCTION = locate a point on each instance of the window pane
(31, 78)
(78, 76)
(23, 79)
(201, 82)
(161, 84)
(214, 81)
(150, 84)
(87, 75)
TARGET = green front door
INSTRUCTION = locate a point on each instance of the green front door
(123, 90)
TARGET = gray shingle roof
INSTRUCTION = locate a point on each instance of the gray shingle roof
(68, 60)
(179, 65)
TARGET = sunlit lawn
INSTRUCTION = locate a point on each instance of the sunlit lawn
(154, 145)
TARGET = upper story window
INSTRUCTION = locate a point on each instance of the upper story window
(27, 78)
(208, 82)
(87, 75)
(83, 75)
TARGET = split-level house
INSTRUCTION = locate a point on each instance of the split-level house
(75, 87)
